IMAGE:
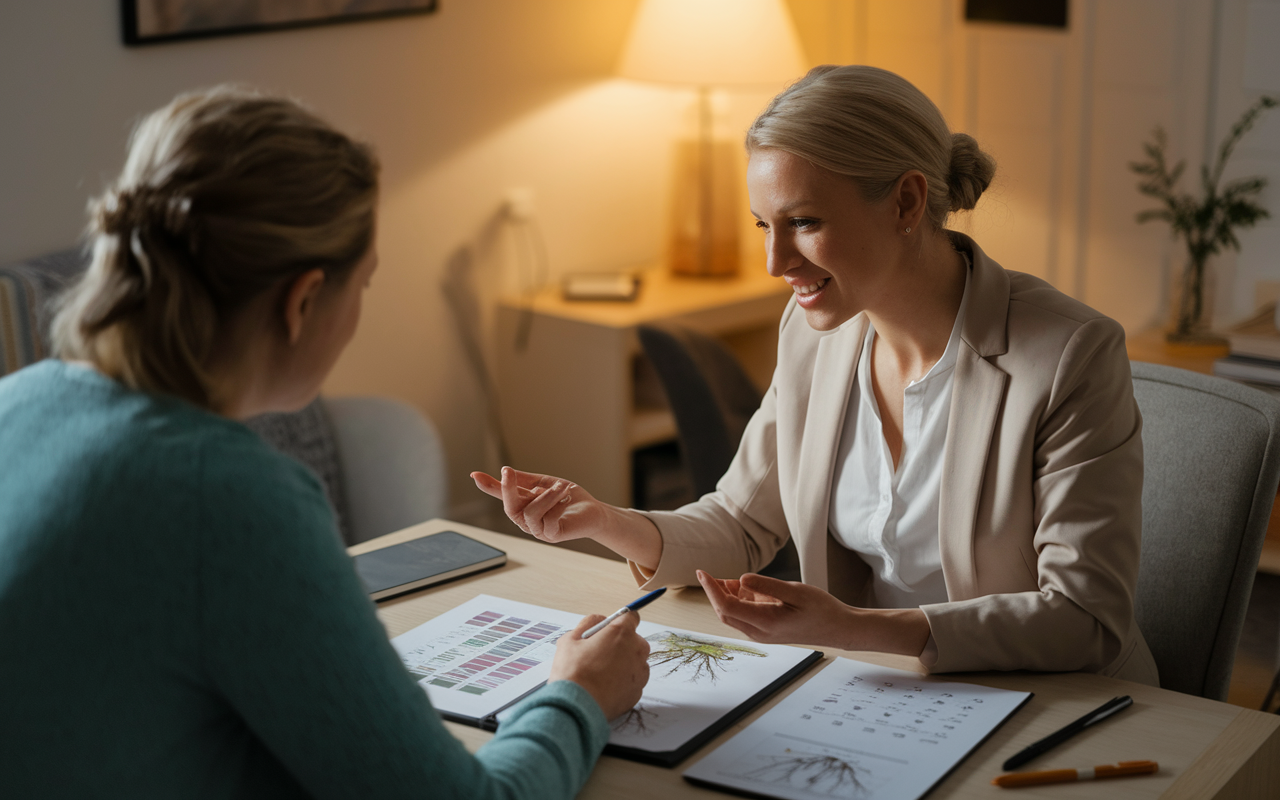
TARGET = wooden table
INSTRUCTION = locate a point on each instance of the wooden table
(1206, 749)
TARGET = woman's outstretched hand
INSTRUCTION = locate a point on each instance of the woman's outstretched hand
(555, 510)
(547, 508)
(786, 612)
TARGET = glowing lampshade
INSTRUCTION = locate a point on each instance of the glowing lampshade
(709, 44)
(717, 43)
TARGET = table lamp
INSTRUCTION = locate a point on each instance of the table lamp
(709, 44)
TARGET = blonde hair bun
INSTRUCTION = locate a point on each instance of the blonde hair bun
(873, 126)
(971, 172)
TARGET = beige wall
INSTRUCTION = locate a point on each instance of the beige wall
(462, 104)
(1248, 65)
(1063, 112)
(488, 95)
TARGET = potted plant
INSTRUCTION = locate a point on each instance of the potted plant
(1205, 223)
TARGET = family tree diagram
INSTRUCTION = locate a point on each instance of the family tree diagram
(636, 721)
(689, 658)
(696, 680)
(857, 731)
(815, 773)
(687, 653)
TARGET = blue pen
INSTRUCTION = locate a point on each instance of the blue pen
(635, 606)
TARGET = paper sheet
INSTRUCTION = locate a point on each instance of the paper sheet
(857, 730)
(694, 680)
(480, 656)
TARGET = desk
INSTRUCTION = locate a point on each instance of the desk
(580, 398)
(1205, 749)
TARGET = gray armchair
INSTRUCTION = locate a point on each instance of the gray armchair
(1212, 462)
(380, 460)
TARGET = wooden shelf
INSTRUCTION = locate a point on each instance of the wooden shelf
(715, 302)
(579, 398)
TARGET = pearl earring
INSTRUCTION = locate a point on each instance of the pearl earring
(908, 230)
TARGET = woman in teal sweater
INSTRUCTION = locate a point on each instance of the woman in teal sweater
(177, 615)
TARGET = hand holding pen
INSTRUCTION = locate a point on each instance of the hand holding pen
(612, 664)
(629, 608)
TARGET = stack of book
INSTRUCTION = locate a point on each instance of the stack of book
(1255, 350)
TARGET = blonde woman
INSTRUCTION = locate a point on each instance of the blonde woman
(954, 447)
(178, 616)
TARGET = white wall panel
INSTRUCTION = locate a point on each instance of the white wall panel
(1248, 43)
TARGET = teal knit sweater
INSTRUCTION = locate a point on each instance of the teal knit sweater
(179, 619)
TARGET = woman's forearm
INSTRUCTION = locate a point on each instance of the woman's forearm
(888, 630)
(631, 535)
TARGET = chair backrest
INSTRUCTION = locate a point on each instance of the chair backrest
(710, 395)
(393, 464)
(1211, 466)
(712, 400)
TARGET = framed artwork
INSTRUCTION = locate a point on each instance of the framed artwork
(1049, 13)
(152, 21)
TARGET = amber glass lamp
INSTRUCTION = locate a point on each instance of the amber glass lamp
(709, 44)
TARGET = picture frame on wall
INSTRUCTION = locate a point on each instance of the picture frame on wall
(154, 21)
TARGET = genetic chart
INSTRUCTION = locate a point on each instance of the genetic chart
(478, 657)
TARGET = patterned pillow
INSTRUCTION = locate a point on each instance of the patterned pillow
(308, 437)
(27, 291)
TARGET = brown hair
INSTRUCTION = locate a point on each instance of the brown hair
(225, 194)
(873, 126)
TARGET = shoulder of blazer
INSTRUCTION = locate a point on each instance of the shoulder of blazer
(999, 296)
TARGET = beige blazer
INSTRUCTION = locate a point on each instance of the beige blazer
(1040, 514)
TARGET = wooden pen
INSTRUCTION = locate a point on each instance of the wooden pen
(1084, 774)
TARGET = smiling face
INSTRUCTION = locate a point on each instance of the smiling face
(838, 252)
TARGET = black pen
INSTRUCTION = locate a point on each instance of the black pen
(1051, 741)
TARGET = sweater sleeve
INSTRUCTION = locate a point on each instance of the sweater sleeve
(292, 644)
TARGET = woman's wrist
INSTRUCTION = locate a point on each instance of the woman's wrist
(631, 535)
(903, 631)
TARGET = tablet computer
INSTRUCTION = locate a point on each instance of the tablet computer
(424, 561)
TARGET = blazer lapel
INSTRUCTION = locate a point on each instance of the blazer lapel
(833, 371)
(977, 398)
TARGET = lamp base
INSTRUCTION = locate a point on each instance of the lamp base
(704, 209)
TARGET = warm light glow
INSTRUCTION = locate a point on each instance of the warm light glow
(720, 43)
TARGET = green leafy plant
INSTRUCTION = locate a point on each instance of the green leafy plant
(1206, 223)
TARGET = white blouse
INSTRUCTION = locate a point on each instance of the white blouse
(890, 518)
